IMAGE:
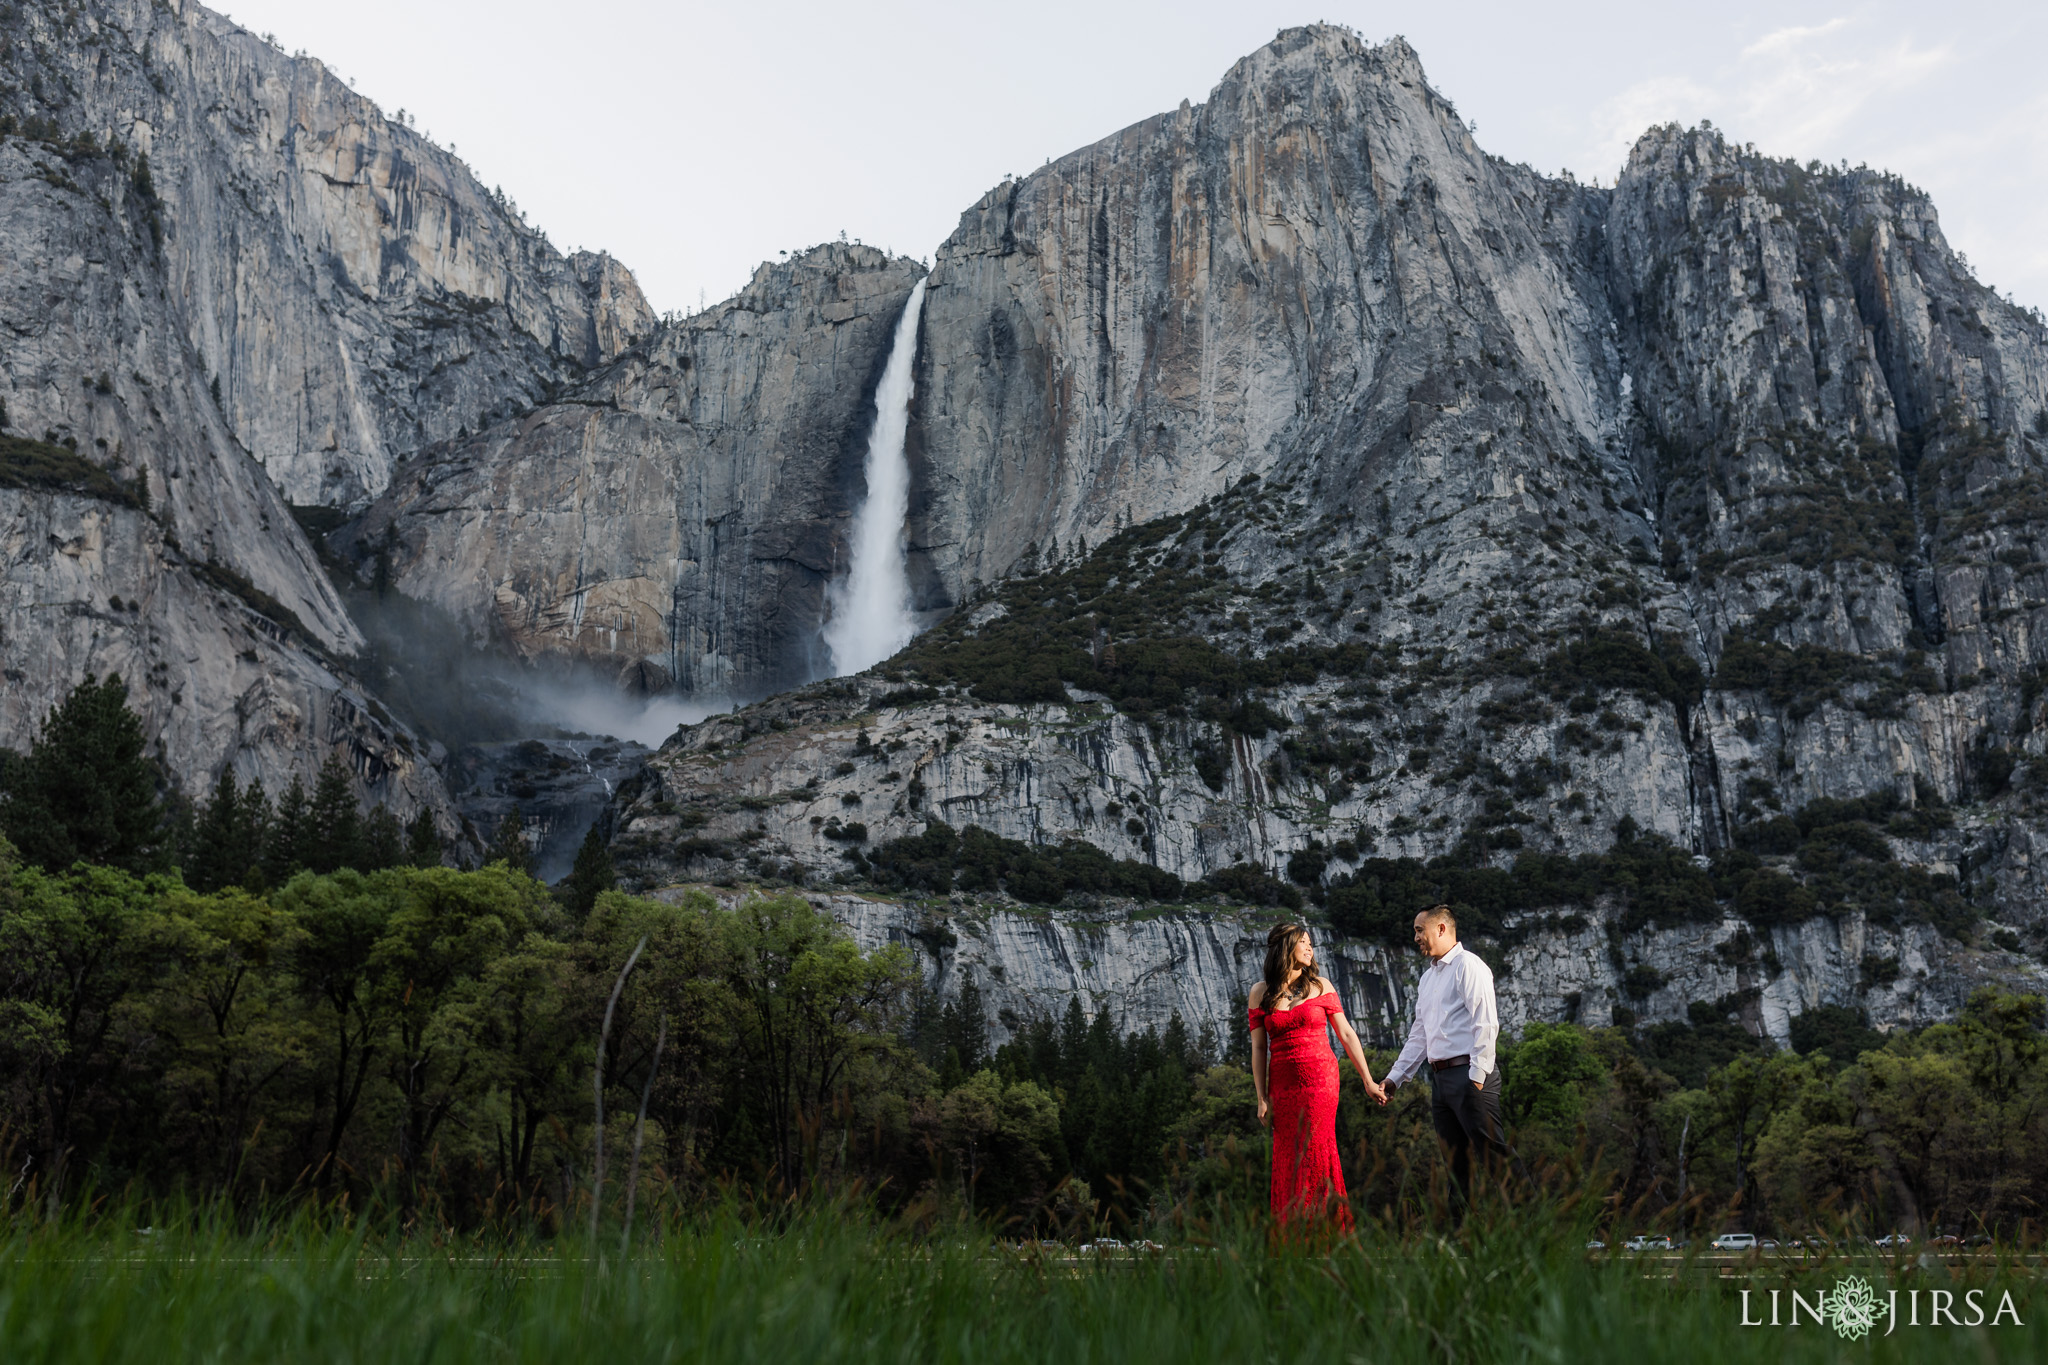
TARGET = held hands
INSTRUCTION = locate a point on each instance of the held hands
(1377, 1091)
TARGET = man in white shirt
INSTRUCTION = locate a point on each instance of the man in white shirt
(1456, 1025)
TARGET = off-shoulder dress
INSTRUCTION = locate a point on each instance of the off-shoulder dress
(1301, 1086)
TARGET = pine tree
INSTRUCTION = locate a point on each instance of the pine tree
(423, 841)
(86, 790)
(286, 850)
(254, 835)
(509, 846)
(592, 876)
(227, 838)
(964, 1031)
(383, 842)
(335, 825)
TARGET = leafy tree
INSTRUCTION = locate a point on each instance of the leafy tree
(86, 791)
(1001, 1137)
(230, 1019)
(1927, 1124)
(700, 1101)
(73, 953)
(591, 876)
(1546, 1076)
(532, 1047)
(1814, 1158)
(444, 931)
(808, 1003)
(343, 918)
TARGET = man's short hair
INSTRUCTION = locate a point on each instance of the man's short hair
(1441, 912)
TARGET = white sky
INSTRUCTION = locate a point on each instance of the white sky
(693, 140)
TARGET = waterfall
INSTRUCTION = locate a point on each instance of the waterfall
(871, 606)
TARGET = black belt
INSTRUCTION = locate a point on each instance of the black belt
(1447, 1063)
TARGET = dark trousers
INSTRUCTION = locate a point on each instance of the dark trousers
(1466, 1118)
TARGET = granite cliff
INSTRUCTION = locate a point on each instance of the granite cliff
(231, 285)
(1326, 501)
(1308, 506)
(674, 520)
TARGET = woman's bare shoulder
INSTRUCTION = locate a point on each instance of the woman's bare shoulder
(1258, 994)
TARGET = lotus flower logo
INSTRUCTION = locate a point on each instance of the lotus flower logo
(1853, 1308)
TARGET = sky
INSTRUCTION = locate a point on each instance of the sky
(694, 140)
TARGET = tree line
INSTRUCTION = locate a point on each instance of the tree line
(439, 1041)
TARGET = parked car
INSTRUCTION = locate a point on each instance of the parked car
(1101, 1246)
(1596, 1245)
(1735, 1241)
(1946, 1239)
(1895, 1239)
(1769, 1244)
(1648, 1241)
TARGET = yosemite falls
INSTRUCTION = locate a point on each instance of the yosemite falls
(871, 616)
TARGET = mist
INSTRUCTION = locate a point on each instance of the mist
(440, 681)
(548, 743)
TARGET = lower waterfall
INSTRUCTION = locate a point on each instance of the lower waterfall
(870, 607)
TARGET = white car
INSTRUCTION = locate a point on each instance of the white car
(1647, 1242)
(1596, 1245)
(1735, 1241)
(1896, 1239)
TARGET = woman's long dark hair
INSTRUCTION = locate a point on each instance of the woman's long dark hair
(1280, 941)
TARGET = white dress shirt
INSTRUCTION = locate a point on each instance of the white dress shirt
(1454, 1017)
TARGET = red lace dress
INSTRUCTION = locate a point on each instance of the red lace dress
(1301, 1086)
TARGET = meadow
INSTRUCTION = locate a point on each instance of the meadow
(836, 1285)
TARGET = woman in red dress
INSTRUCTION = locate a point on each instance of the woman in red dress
(1295, 1074)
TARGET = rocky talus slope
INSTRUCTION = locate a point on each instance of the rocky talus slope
(1651, 570)
(230, 284)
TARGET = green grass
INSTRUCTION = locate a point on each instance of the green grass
(827, 1288)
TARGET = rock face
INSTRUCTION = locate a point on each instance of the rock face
(350, 286)
(230, 282)
(1201, 964)
(1232, 288)
(1682, 508)
(1303, 494)
(676, 519)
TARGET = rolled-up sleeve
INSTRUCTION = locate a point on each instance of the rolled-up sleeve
(1476, 986)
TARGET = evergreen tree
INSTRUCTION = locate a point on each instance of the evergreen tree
(86, 791)
(592, 876)
(963, 1033)
(335, 825)
(286, 850)
(509, 846)
(226, 844)
(383, 842)
(423, 841)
